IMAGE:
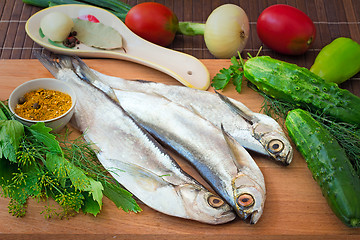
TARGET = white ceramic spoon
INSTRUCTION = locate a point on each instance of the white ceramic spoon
(185, 68)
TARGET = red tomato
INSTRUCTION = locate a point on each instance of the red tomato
(153, 22)
(286, 29)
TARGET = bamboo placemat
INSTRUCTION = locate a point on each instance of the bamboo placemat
(332, 18)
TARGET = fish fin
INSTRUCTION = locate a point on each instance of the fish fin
(53, 65)
(82, 69)
(193, 109)
(147, 178)
(235, 108)
(143, 81)
(158, 95)
(240, 155)
(86, 74)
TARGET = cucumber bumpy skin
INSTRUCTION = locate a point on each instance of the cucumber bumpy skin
(297, 85)
(328, 164)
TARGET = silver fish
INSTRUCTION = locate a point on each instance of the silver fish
(221, 160)
(255, 131)
(134, 158)
(206, 147)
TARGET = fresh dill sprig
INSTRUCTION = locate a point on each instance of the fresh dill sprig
(83, 155)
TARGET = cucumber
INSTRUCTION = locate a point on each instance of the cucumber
(328, 164)
(297, 85)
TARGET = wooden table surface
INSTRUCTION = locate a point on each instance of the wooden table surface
(294, 208)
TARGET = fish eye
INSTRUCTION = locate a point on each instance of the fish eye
(215, 201)
(245, 200)
(275, 146)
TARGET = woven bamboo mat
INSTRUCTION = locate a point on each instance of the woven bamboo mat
(332, 18)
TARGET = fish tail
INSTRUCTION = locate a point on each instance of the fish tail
(83, 71)
(55, 64)
(86, 74)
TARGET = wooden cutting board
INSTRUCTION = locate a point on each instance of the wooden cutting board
(294, 209)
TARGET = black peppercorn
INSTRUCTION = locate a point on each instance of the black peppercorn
(36, 105)
(21, 100)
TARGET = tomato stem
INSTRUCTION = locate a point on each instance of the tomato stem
(191, 29)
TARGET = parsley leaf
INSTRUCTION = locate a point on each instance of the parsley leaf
(234, 73)
(2, 114)
(43, 135)
(90, 205)
(221, 79)
(237, 81)
(122, 198)
(11, 133)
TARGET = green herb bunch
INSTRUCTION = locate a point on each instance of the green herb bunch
(34, 164)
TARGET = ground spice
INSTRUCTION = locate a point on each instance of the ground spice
(43, 104)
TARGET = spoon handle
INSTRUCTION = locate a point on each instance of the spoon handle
(185, 68)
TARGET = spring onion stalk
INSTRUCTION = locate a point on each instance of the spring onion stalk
(60, 2)
(37, 3)
(117, 8)
(114, 5)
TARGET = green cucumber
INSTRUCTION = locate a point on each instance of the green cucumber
(297, 85)
(328, 164)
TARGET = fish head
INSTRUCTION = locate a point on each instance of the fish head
(273, 139)
(249, 198)
(205, 206)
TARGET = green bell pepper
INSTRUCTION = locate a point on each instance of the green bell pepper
(338, 61)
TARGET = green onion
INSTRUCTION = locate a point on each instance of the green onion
(118, 8)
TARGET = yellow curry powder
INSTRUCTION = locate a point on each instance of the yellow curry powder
(43, 104)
